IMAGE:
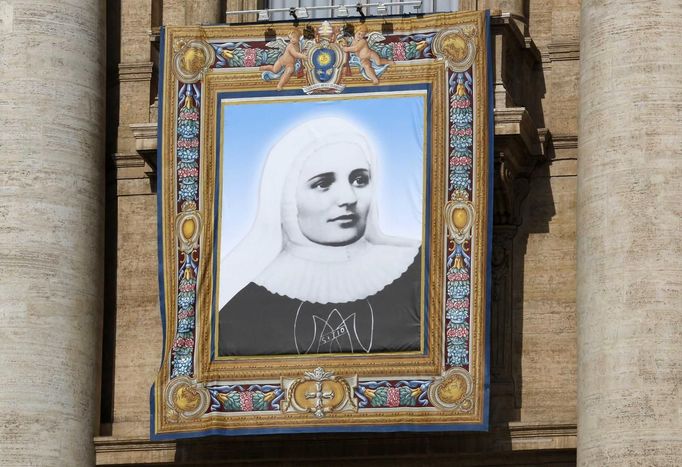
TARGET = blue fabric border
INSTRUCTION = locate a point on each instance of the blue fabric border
(491, 180)
(326, 429)
(159, 224)
(483, 426)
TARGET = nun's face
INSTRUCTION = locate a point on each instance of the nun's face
(333, 195)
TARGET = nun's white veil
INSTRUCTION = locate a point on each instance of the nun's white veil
(276, 255)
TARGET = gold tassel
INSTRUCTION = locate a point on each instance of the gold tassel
(459, 262)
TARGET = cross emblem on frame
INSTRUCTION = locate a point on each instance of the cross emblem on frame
(318, 393)
(319, 396)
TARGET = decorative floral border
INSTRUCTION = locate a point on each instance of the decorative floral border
(187, 189)
(458, 387)
(245, 398)
(393, 394)
(458, 284)
(460, 181)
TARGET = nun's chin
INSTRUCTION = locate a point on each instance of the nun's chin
(336, 234)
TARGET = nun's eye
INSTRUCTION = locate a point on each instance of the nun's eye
(359, 178)
(322, 182)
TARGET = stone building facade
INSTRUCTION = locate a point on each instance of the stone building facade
(587, 258)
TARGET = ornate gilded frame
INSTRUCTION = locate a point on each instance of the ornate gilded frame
(442, 388)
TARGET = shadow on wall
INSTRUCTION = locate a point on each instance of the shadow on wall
(375, 449)
(111, 224)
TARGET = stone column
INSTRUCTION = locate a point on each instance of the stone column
(51, 228)
(629, 290)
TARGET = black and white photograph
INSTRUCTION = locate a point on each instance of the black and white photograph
(321, 226)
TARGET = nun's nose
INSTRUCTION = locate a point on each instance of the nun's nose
(346, 195)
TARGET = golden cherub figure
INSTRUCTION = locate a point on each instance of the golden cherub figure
(364, 52)
(290, 53)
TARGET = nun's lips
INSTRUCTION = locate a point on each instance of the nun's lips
(346, 220)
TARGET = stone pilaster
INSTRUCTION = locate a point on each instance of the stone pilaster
(51, 228)
(515, 9)
(190, 12)
(518, 8)
(629, 292)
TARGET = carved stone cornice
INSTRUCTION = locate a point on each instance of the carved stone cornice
(565, 141)
(145, 141)
(127, 161)
(506, 21)
(519, 145)
(514, 128)
(137, 71)
(543, 436)
(562, 51)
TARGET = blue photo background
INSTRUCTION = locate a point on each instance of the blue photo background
(397, 124)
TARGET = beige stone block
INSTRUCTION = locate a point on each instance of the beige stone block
(564, 167)
(134, 105)
(190, 12)
(136, 24)
(539, 21)
(137, 185)
(546, 249)
(138, 322)
(563, 105)
(565, 20)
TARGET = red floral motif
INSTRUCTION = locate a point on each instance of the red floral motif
(460, 161)
(186, 313)
(182, 342)
(249, 57)
(399, 51)
(457, 304)
(461, 103)
(186, 287)
(462, 304)
(463, 132)
(246, 401)
(458, 276)
(188, 143)
(458, 332)
(192, 115)
(192, 172)
(393, 397)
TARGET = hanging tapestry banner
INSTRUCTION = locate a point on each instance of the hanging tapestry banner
(324, 199)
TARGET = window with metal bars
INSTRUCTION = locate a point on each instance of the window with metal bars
(331, 8)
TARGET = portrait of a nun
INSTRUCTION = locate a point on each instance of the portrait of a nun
(315, 274)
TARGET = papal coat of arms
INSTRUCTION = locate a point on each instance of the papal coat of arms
(325, 61)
